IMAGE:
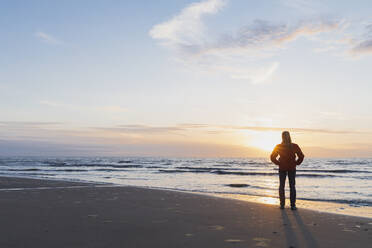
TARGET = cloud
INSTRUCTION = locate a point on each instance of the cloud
(210, 128)
(263, 34)
(357, 151)
(256, 75)
(240, 55)
(295, 130)
(364, 45)
(28, 130)
(52, 138)
(47, 38)
(170, 149)
(107, 108)
(52, 148)
(57, 129)
(353, 39)
(186, 31)
(28, 124)
(144, 129)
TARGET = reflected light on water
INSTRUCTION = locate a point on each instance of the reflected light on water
(269, 182)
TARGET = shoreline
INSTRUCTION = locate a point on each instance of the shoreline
(318, 206)
(68, 214)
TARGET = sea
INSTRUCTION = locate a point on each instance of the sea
(335, 185)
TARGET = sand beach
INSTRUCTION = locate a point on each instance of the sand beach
(48, 213)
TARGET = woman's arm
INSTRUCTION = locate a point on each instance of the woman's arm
(274, 155)
(300, 155)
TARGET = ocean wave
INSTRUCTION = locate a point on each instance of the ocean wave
(28, 169)
(204, 168)
(125, 161)
(55, 163)
(240, 173)
(96, 165)
(70, 170)
(243, 163)
(127, 166)
(46, 170)
(243, 185)
(254, 163)
(183, 171)
(364, 177)
(347, 162)
(85, 165)
(37, 174)
(335, 171)
(109, 170)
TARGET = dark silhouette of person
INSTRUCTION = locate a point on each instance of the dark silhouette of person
(290, 155)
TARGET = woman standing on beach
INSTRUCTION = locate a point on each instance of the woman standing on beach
(287, 163)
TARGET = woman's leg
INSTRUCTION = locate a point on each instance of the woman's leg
(282, 177)
(292, 187)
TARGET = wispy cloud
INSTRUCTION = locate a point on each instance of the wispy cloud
(48, 38)
(23, 138)
(364, 44)
(262, 34)
(363, 47)
(16, 130)
(106, 108)
(28, 124)
(187, 35)
(210, 128)
(186, 31)
(240, 55)
(295, 130)
(145, 129)
(168, 129)
(253, 73)
(353, 39)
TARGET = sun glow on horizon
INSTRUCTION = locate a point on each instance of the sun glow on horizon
(265, 140)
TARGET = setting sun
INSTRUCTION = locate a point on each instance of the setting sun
(265, 140)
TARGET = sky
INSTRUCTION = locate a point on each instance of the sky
(205, 78)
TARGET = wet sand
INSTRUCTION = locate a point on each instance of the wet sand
(42, 213)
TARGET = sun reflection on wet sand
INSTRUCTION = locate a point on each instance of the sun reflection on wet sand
(259, 199)
(268, 200)
(328, 207)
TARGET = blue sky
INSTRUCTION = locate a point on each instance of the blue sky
(185, 78)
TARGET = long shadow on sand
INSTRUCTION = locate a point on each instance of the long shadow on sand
(289, 232)
(310, 241)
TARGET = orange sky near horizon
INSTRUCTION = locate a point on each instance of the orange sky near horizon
(182, 140)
